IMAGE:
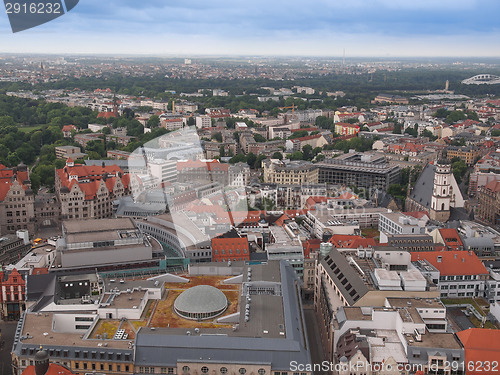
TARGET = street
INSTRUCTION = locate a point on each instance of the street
(7, 337)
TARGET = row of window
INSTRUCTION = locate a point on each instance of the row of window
(101, 367)
(224, 370)
(460, 277)
(223, 252)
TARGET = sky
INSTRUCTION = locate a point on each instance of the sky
(364, 28)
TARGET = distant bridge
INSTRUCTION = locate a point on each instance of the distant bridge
(482, 79)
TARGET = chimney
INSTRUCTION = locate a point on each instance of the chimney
(463, 260)
(439, 259)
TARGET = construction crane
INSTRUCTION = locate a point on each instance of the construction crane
(291, 106)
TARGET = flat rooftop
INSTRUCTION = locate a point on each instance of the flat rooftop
(414, 302)
(97, 225)
(39, 328)
(436, 340)
(123, 300)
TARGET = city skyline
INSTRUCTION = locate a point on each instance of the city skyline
(379, 28)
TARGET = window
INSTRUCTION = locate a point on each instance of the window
(204, 369)
(261, 371)
(242, 371)
(223, 370)
(185, 369)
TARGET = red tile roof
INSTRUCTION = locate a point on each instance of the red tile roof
(213, 165)
(311, 246)
(311, 202)
(451, 237)
(481, 345)
(304, 129)
(307, 138)
(345, 241)
(452, 262)
(493, 186)
(6, 175)
(93, 177)
(106, 115)
(53, 370)
(68, 128)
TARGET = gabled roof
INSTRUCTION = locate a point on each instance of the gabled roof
(450, 263)
(422, 191)
(350, 241)
(54, 369)
(481, 345)
(450, 237)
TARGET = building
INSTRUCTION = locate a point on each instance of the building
(297, 144)
(249, 319)
(488, 210)
(97, 128)
(118, 154)
(65, 152)
(122, 140)
(203, 121)
(42, 366)
(88, 191)
(84, 139)
(389, 99)
(68, 129)
(436, 191)
(12, 248)
(448, 237)
(411, 242)
(323, 223)
(16, 200)
(180, 234)
(458, 273)
(239, 175)
(357, 278)
(343, 128)
(289, 172)
(262, 341)
(12, 297)
(397, 223)
(467, 154)
(230, 249)
(203, 171)
(360, 170)
(102, 243)
(482, 349)
(406, 336)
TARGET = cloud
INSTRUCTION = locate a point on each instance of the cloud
(197, 26)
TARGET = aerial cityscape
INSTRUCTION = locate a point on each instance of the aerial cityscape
(282, 207)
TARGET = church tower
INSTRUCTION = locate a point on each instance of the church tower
(441, 194)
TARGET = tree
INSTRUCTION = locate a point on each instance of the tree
(153, 122)
(323, 122)
(297, 155)
(258, 138)
(240, 158)
(277, 155)
(217, 136)
(251, 158)
(307, 152)
(397, 191)
(459, 169)
(320, 157)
